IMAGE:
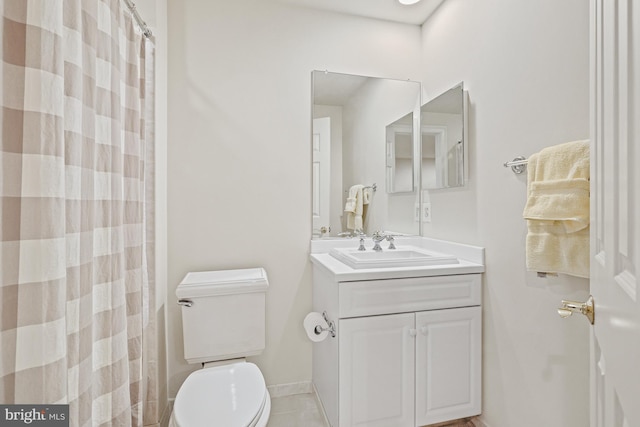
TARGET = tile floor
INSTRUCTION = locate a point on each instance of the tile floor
(296, 410)
(302, 410)
(461, 423)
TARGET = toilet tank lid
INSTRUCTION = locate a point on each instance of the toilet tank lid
(222, 282)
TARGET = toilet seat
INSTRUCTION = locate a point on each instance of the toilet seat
(231, 395)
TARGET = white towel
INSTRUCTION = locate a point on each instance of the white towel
(557, 210)
(366, 195)
(354, 207)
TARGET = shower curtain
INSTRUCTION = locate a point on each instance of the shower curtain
(76, 211)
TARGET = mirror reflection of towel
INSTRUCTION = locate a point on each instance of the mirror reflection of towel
(557, 210)
(358, 197)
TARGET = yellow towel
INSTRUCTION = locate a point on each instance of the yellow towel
(557, 210)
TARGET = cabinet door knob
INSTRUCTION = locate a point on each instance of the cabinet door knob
(413, 332)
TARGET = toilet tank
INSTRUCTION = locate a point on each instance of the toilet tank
(223, 314)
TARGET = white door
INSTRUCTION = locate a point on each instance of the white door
(377, 379)
(615, 210)
(448, 364)
(321, 179)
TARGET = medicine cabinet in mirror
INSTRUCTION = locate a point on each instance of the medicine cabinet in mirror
(442, 124)
(351, 183)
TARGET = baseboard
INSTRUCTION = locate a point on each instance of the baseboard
(320, 406)
(479, 423)
(280, 390)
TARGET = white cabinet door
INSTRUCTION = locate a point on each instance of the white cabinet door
(377, 382)
(448, 364)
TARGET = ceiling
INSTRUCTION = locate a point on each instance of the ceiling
(389, 10)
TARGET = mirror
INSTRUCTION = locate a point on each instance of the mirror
(351, 116)
(399, 156)
(443, 143)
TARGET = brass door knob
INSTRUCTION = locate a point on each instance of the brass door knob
(587, 308)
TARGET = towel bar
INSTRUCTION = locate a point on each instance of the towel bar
(518, 165)
(373, 187)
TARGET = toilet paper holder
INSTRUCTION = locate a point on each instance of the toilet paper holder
(331, 329)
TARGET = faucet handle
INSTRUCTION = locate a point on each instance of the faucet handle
(361, 247)
(391, 241)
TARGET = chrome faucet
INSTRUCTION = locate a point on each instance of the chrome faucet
(377, 238)
(354, 233)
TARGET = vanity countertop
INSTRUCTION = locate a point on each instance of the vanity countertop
(471, 260)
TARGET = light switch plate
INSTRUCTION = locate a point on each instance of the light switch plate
(426, 212)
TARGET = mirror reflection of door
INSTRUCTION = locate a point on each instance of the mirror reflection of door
(399, 156)
(435, 165)
(321, 175)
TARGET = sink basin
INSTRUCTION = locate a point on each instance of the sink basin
(403, 256)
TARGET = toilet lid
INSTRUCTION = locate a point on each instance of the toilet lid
(228, 395)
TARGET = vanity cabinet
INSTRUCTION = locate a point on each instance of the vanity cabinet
(377, 378)
(448, 364)
(407, 351)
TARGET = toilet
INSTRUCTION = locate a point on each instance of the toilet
(223, 321)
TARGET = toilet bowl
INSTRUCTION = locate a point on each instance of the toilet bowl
(223, 321)
(232, 395)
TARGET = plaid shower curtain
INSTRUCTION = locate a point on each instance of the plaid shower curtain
(75, 289)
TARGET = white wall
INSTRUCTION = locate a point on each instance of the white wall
(525, 65)
(239, 171)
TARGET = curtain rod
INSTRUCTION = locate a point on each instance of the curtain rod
(134, 12)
